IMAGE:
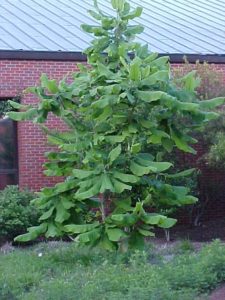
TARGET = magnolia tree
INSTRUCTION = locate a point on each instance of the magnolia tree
(123, 114)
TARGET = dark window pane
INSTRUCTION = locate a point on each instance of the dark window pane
(7, 179)
(8, 153)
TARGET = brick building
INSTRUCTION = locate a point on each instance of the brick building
(44, 37)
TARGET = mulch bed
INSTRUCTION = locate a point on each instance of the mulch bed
(218, 294)
(205, 232)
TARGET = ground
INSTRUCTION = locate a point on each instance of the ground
(218, 294)
(205, 232)
(57, 270)
(24, 270)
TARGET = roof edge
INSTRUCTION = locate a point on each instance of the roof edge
(79, 56)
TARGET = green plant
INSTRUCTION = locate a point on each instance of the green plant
(211, 80)
(6, 107)
(184, 246)
(16, 212)
(65, 272)
(211, 138)
(124, 112)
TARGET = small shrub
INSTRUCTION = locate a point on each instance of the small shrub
(184, 246)
(211, 80)
(16, 212)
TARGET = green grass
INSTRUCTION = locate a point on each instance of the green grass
(65, 272)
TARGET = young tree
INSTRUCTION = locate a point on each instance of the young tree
(123, 114)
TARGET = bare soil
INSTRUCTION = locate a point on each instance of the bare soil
(218, 294)
(205, 232)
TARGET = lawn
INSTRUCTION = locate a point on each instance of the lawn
(59, 270)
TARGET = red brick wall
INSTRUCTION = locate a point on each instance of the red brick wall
(16, 75)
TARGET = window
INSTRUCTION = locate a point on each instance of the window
(8, 148)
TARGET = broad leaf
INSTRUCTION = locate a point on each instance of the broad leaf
(113, 155)
(81, 174)
(124, 219)
(167, 222)
(212, 103)
(94, 190)
(134, 14)
(139, 170)
(150, 96)
(33, 233)
(119, 186)
(129, 178)
(106, 184)
(88, 237)
(115, 234)
(80, 228)
(145, 232)
(181, 174)
(21, 116)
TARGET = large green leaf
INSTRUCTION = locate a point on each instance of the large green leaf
(212, 103)
(94, 190)
(104, 101)
(145, 232)
(136, 240)
(135, 73)
(181, 174)
(159, 220)
(115, 234)
(134, 14)
(62, 213)
(151, 219)
(160, 166)
(114, 139)
(65, 186)
(118, 4)
(67, 203)
(123, 206)
(119, 186)
(47, 214)
(157, 136)
(168, 144)
(160, 62)
(167, 222)
(73, 228)
(190, 81)
(181, 143)
(114, 154)
(106, 244)
(51, 85)
(88, 237)
(139, 170)
(150, 96)
(129, 178)
(33, 233)
(185, 106)
(151, 57)
(156, 77)
(132, 30)
(17, 105)
(53, 230)
(81, 174)
(106, 184)
(95, 15)
(24, 115)
(124, 219)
